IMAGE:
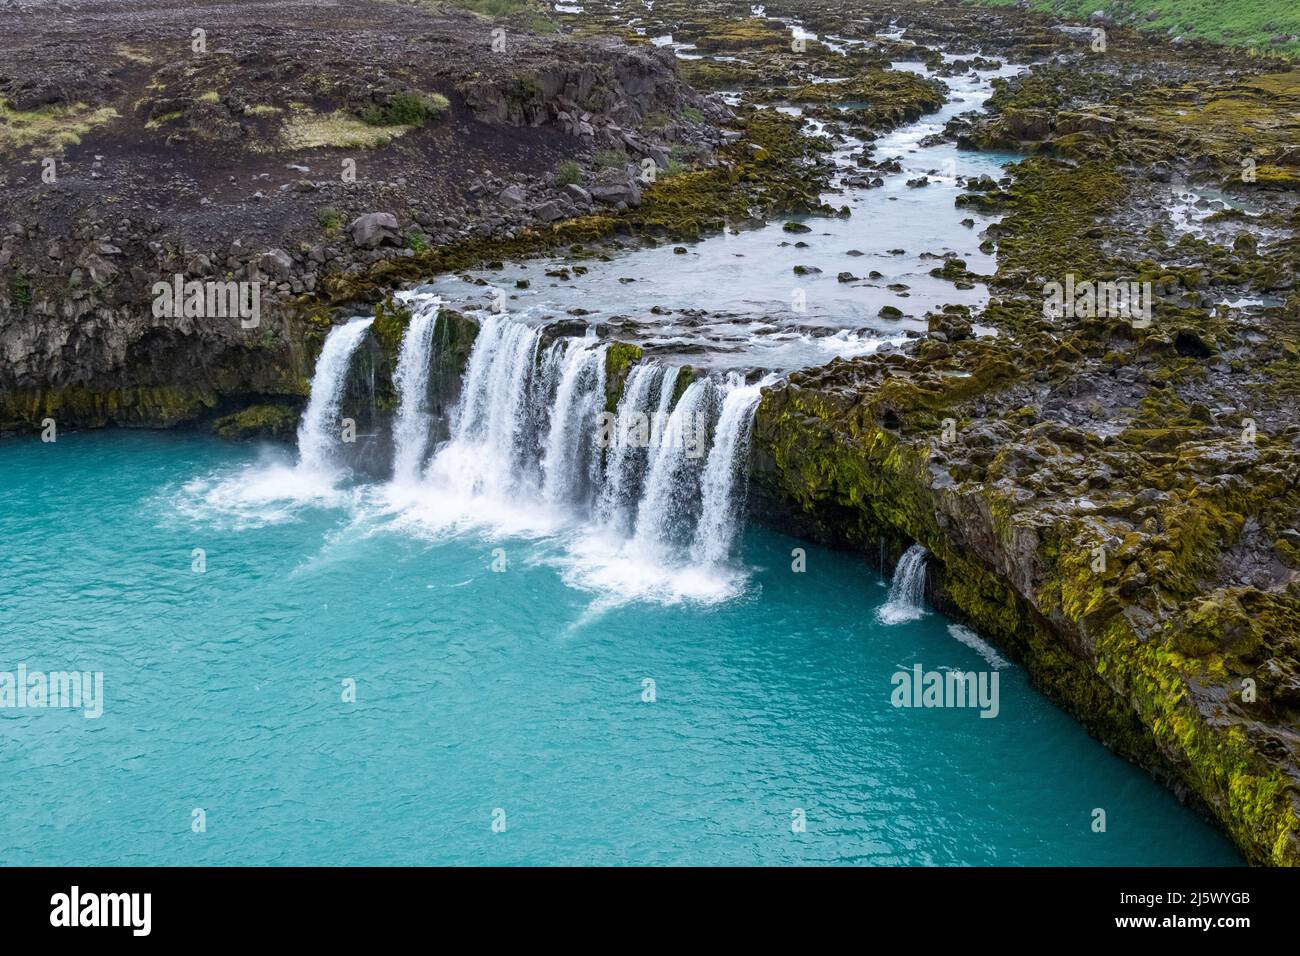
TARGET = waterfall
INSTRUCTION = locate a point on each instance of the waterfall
(570, 463)
(667, 388)
(316, 432)
(907, 592)
(630, 443)
(723, 472)
(672, 484)
(658, 485)
(490, 434)
(411, 426)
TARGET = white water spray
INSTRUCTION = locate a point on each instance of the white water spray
(490, 428)
(907, 592)
(725, 467)
(570, 464)
(411, 379)
(319, 426)
(672, 484)
(630, 447)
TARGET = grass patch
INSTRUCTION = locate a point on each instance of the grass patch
(495, 8)
(538, 23)
(307, 129)
(21, 289)
(406, 109)
(675, 168)
(133, 54)
(330, 219)
(568, 173)
(162, 118)
(50, 127)
(1248, 23)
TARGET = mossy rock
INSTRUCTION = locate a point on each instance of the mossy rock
(275, 422)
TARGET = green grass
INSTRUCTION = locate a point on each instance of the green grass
(331, 220)
(49, 127)
(406, 109)
(306, 129)
(610, 159)
(22, 290)
(675, 168)
(1248, 23)
(494, 8)
(568, 173)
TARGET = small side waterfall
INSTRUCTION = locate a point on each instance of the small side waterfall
(907, 592)
(317, 433)
(411, 426)
(724, 469)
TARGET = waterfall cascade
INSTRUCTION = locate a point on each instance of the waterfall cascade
(907, 592)
(412, 424)
(489, 453)
(633, 432)
(319, 427)
(725, 472)
(571, 461)
(672, 485)
(532, 428)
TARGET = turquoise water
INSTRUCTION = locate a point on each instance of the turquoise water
(479, 691)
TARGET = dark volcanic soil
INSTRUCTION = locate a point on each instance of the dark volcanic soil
(219, 169)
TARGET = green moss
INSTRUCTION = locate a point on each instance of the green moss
(876, 99)
(406, 108)
(277, 422)
(619, 359)
(389, 326)
(752, 34)
(853, 471)
(148, 406)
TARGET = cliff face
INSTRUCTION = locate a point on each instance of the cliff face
(88, 362)
(1152, 651)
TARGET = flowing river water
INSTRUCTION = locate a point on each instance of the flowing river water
(584, 644)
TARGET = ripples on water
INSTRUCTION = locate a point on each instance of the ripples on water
(479, 690)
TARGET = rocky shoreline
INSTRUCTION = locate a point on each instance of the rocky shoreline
(1115, 502)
